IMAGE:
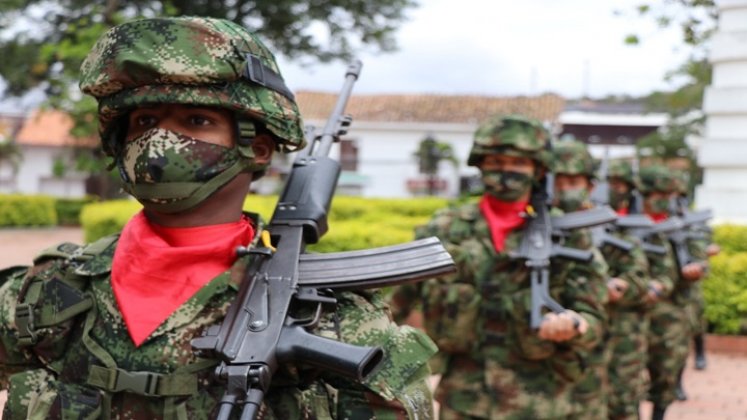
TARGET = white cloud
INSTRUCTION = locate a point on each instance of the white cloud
(503, 47)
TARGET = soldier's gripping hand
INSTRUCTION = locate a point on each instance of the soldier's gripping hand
(562, 327)
(712, 250)
(655, 290)
(693, 271)
(616, 288)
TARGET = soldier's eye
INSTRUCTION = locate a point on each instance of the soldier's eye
(145, 120)
(199, 120)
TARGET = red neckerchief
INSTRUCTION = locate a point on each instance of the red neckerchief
(156, 269)
(623, 211)
(502, 217)
(658, 217)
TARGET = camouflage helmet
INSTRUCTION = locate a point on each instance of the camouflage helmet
(621, 169)
(194, 61)
(572, 157)
(510, 135)
(657, 178)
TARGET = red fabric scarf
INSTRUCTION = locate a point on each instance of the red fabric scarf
(502, 217)
(623, 211)
(658, 217)
(156, 269)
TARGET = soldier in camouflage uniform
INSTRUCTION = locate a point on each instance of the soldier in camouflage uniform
(493, 364)
(615, 382)
(668, 333)
(690, 292)
(84, 332)
(629, 321)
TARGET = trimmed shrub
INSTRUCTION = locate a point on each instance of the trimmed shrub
(68, 209)
(105, 218)
(27, 210)
(725, 289)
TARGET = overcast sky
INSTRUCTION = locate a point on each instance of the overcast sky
(512, 47)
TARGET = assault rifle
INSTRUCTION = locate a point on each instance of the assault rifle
(601, 234)
(262, 329)
(691, 222)
(537, 246)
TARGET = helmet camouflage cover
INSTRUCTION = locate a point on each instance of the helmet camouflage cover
(510, 135)
(657, 178)
(572, 157)
(621, 169)
(194, 61)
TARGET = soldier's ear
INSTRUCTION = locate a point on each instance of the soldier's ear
(263, 146)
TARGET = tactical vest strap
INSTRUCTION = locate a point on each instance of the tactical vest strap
(45, 305)
(142, 383)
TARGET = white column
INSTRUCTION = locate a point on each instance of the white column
(723, 153)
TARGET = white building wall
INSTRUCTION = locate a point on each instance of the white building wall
(723, 152)
(385, 154)
(35, 176)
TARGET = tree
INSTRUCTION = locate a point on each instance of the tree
(43, 42)
(697, 21)
(429, 155)
(52, 38)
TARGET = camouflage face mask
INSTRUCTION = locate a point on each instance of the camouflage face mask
(658, 205)
(572, 200)
(619, 200)
(506, 185)
(170, 172)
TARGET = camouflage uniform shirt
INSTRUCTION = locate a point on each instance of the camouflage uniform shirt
(84, 364)
(493, 363)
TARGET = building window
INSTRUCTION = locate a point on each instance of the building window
(349, 155)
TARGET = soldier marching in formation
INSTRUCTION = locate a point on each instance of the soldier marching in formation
(644, 296)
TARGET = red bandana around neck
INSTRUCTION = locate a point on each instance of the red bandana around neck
(658, 217)
(623, 211)
(156, 269)
(502, 217)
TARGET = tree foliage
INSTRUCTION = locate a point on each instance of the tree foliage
(45, 41)
(697, 20)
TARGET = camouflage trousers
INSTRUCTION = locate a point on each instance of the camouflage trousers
(695, 308)
(668, 341)
(627, 366)
(590, 393)
(486, 390)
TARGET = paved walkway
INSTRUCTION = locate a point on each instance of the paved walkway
(717, 393)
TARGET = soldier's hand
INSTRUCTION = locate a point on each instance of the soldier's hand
(616, 288)
(713, 250)
(655, 290)
(562, 326)
(693, 271)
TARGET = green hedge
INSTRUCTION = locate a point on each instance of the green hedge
(725, 289)
(359, 223)
(355, 223)
(68, 209)
(27, 210)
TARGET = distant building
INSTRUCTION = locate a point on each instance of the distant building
(48, 160)
(723, 149)
(609, 127)
(377, 154)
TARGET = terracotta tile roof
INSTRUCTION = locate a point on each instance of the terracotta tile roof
(431, 108)
(50, 128)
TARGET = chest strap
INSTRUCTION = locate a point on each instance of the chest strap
(148, 384)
